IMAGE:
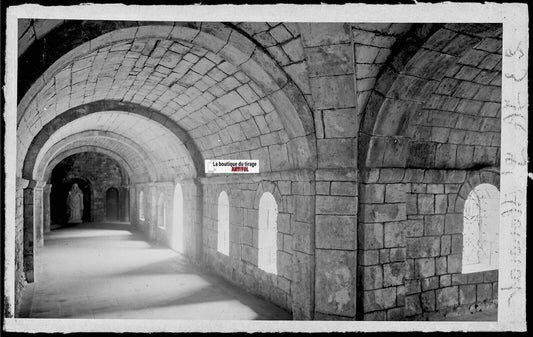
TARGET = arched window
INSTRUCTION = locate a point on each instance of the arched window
(141, 206)
(481, 222)
(161, 218)
(177, 229)
(268, 233)
(223, 223)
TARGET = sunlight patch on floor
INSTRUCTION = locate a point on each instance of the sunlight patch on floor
(105, 271)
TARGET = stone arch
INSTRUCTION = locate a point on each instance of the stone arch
(402, 51)
(267, 186)
(474, 178)
(427, 55)
(286, 97)
(83, 139)
(194, 155)
(34, 62)
(57, 159)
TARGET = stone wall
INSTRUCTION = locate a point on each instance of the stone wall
(283, 42)
(410, 243)
(20, 280)
(290, 288)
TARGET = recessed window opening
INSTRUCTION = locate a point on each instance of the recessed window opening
(223, 224)
(481, 222)
(268, 233)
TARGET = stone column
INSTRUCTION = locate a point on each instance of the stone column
(46, 207)
(125, 203)
(303, 247)
(121, 209)
(28, 229)
(38, 211)
(153, 211)
(193, 218)
(133, 211)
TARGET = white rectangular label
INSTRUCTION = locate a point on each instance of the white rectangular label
(231, 166)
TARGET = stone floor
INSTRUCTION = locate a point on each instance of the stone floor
(108, 270)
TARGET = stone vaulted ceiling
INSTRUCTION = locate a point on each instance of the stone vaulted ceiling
(204, 97)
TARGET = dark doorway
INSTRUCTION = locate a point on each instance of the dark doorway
(111, 204)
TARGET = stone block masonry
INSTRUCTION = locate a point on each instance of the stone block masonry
(369, 137)
(410, 245)
(290, 287)
(328, 50)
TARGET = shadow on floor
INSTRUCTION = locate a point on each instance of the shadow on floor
(171, 265)
(109, 270)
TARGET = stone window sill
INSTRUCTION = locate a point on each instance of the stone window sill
(479, 267)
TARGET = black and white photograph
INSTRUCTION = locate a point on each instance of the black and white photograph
(168, 170)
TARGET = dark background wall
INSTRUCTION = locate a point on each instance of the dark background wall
(411, 242)
(94, 173)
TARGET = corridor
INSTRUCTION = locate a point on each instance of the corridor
(107, 270)
(376, 192)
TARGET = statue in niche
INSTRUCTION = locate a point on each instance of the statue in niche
(75, 204)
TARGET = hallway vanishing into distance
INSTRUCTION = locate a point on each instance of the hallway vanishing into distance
(108, 270)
